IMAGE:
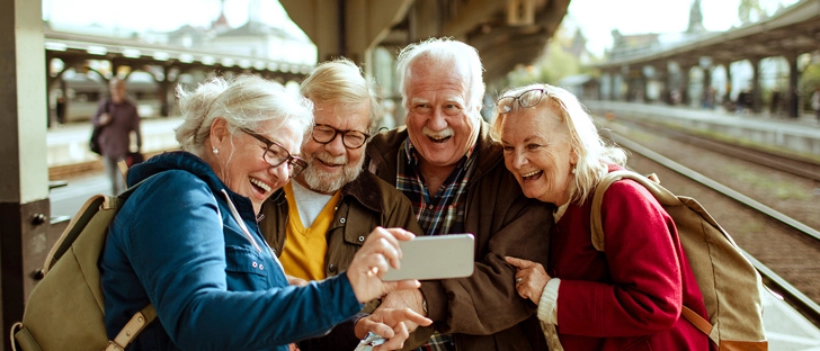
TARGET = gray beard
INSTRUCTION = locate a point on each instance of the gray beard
(324, 182)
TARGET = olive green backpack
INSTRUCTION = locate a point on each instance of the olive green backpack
(65, 311)
(730, 284)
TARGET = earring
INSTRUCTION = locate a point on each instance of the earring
(573, 171)
(216, 151)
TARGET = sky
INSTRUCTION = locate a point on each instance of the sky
(597, 18)
(156, 15)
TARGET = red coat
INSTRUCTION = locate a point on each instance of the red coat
(629, 297)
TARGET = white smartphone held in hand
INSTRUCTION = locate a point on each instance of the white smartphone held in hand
(435, 257)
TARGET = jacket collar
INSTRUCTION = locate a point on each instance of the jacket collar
(365, 189)
(186, 161)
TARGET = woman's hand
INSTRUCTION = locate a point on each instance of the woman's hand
(391, 324)
(379, 253)
(530, 278)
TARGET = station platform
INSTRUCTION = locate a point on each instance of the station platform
(67, 145)
(797, 135)
(786, 329)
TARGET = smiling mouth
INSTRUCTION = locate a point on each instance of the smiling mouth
(532, 175)
(439, 139)
(333, 165)
(260, 185)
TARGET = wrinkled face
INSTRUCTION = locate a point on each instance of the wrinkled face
(538, 153)
(438, 122)
(240, 162)
(332, 165)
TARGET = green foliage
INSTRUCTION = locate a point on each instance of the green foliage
(746, 8)
(809, 80)
(556, 63)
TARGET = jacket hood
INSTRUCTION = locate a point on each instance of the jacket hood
(177, 160)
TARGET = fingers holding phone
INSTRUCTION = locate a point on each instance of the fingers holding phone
(380, 253)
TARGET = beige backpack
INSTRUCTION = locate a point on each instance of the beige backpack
(65, 311)
(729, 283)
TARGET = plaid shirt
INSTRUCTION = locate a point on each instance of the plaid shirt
(442, 213)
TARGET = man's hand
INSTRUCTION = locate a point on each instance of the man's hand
(402, 299)
(390, 323)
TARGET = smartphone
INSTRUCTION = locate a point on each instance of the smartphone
(435, 257)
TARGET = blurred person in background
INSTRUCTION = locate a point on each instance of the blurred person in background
(117, 115)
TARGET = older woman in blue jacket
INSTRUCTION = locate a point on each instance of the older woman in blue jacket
(187, 240)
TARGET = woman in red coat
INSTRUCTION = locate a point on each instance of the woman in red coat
(629, 297)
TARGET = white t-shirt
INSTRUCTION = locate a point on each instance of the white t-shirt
(309, 203)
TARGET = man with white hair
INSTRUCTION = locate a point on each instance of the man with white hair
(318, 221)
(453, 173)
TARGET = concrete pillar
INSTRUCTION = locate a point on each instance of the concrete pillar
(793, 94)
(164, 86)
(347, 28)
(425, 20)
(707, 77)
(662, 76)
(729, 84)
(756, 100)
(24, 206)
(612, 87)
(644, 83)
(684, 83)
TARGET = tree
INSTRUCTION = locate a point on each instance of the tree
(745, 10)
(560, 59)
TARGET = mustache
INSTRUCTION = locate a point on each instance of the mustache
(328, 158)
(446, 132)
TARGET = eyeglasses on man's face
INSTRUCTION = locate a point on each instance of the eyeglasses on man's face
(527, 99)
(352, 139)
(276, 154)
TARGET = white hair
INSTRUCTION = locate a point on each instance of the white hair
(244, 102)
(449, 51)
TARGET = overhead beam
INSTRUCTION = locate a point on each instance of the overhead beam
(347, 28)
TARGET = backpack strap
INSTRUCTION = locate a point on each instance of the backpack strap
(699, 322)
(133, 328)
(80, 221)
(664, 197)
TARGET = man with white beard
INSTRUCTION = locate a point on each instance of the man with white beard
(317, 222)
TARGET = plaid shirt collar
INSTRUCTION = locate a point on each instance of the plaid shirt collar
(443, 211)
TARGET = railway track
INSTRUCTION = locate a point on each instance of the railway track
(786, 270)
(793, 164)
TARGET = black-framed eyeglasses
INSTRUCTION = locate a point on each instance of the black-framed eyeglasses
(527, 99)
(352, 139)
(276, 154)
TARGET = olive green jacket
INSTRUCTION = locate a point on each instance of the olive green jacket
(484, 311)
(365, 203)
